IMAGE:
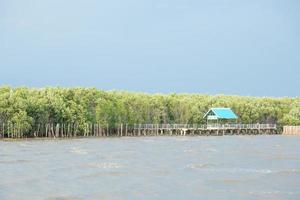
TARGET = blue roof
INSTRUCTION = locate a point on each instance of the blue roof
(222, 113)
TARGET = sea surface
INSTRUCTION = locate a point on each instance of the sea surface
(151, 168)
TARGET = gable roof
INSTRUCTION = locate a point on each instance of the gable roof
(222, 113)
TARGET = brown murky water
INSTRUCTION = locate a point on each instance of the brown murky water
(230, 167)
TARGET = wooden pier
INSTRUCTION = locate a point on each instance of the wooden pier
(206, 130)
(119, 130)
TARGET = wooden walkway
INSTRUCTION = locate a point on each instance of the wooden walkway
(210, 129)
(120, 130)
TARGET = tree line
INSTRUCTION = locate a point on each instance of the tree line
(27, 111)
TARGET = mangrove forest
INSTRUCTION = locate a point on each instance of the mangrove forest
(34, 112)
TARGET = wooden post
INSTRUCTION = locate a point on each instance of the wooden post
(121, 129)
(46, 131)
(100, 127)
(2, 132)
(139, 134)
(97, 130)
(56, 130)
(107, 132)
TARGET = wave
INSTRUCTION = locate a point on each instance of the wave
(200, 166)
(78, 151)
(213, 168)
(211, 150)
(229, 181)
(14, 161)
(261, 193)
(189, 151)
(182, 139)
(111, 174)
(283, 157)
(288, 172)
(105, 165)
(62, 198)
(209, 168)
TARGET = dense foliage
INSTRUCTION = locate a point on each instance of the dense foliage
(29, 107)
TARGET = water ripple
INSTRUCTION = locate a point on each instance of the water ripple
(104, 165)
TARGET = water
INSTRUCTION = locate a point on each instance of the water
(167, 168)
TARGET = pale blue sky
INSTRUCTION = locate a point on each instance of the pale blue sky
(192, 46)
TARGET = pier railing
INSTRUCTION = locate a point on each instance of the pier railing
(241, 126)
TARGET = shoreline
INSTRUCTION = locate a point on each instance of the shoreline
(147, 136)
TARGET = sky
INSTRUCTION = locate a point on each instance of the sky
(241, 47)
